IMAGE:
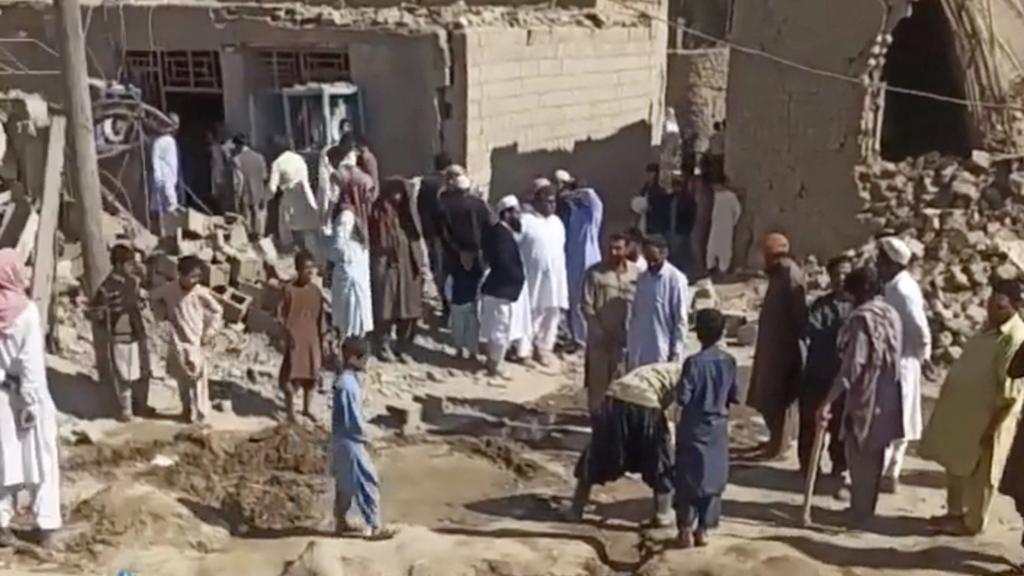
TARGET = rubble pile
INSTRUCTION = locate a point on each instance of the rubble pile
(245, 277)
(959, 219)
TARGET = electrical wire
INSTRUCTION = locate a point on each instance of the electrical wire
(817, 71)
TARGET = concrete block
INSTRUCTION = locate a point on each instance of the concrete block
(251, 289)
(266, 249)
(270, 298)
(164, 265)
(408, 417)
(217, 274)
(246, 268)
(235, 304)
(197, 223)
(238, 236)
(733, 322)
(262, 322)
(433, 407)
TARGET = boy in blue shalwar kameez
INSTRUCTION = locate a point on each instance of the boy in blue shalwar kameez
(355, 478)
(706, 389)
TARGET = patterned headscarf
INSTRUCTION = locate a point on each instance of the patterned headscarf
(13, 299)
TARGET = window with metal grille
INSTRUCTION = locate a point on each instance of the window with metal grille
(196, 71)
(291, 67)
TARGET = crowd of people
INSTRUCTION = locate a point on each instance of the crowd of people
(529, 278)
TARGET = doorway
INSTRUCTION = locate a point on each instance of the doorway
(923, 57)
(201, 116)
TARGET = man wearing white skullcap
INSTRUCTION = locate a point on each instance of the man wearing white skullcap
(903, 293)
(504, 284)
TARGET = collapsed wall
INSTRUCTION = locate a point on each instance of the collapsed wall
(795, 135)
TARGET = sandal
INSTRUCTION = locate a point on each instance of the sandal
(379, 534)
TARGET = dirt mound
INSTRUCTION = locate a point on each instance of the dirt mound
(741, 559)
(503, 452)
(273, 480)
(131, 514)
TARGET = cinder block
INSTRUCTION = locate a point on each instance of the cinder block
(270, 298)
(433, 407)
(197, 223)
(164, 265)
(262, 322)
(747, 334)
(238, 237)
(266, 249)
(408, 416)
(252, 290)
(235, 303)
(217, 275)
(246, 268)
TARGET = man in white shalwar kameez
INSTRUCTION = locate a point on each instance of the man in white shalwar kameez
(300, 220)
(725, 214)
(28, 418)
(542, 245)
(903, 293)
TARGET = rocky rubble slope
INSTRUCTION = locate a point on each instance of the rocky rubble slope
(961, 219)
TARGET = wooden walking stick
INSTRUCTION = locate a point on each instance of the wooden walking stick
(820, 433)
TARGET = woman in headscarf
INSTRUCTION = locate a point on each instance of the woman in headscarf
(351, 303)
(395, 269)
(28, 418)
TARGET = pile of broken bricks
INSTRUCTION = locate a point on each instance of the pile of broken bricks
(245, 277)
(961, 219)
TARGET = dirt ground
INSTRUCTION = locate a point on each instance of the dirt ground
(477, 490)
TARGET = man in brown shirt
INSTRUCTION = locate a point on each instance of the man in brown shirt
(608, 290)
(781, 347)
(302, 313)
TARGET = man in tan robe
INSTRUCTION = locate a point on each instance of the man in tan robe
(779, 354)
(972, 427)
(608, 291)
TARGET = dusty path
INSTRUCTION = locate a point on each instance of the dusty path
(477, 490)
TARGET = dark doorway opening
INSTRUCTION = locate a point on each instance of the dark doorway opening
(923, 57)
(201, 114)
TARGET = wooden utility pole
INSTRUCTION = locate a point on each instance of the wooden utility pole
(83, 169)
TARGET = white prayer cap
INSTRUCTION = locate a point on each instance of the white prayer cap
(562, 176)
(896, 249)
(507, 202)
(539, 183)
(462, 182)
(638, 205)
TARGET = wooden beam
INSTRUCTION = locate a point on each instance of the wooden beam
(45, 261)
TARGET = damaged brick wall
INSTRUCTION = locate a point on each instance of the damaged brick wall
(793, 137)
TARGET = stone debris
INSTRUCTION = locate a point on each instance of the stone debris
(959, 217)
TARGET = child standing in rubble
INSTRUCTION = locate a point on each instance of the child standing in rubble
(117, 306)
(194, 315)
(355, 478)
(302, 314)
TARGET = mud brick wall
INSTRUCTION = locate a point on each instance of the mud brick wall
(578, 98)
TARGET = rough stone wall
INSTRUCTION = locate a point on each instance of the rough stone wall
(792, 137)
(585, 99)
(697, 81)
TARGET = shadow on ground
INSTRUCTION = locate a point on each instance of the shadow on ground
(941, 558)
